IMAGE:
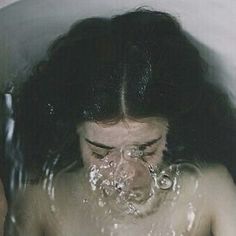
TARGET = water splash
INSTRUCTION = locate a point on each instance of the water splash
(48, 177)
(191, 215)
(13, 154)
(167, 184)
(17, 177)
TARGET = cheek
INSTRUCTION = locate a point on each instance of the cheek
(105, 166)
(86, 154)
(87, 157)
(157, 158)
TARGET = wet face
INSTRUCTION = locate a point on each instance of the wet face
(121, 156)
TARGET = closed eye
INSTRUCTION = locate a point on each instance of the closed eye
(98, 155)
(149, 153)
(149, 143)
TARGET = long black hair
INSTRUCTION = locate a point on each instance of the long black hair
(139, 64)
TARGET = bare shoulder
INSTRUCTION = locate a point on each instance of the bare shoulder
(217, 172)
(220, 192)
(48, 190)
(26, 198)
(27, 211)
(33, 208)
(69, 184)
(218, 182)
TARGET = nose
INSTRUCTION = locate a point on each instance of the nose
(129, 169)
(131, 173)
(132, 152)
(133, 180)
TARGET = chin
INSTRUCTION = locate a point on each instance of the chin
(121, 204)
(148, 206)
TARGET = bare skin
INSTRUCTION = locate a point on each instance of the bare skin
(202, 204)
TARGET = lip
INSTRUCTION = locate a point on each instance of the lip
(138, 195)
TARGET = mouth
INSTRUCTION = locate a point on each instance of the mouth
(125, 200)
(123, 194)
(132, 196)
(134, 203)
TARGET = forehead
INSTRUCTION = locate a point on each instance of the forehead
(124, 131)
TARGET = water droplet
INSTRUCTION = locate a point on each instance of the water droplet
(101, 203)
(191, 216)
(165, 182)
(111, 163)
(13, 219)
(53, 208)
(85, 200)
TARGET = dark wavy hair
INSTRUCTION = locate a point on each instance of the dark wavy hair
(139, 64)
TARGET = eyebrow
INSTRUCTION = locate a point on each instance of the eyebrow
(98, 144)
(150, 143)
(101, 145)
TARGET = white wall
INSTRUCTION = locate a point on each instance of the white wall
(5, 3)
(27, 27)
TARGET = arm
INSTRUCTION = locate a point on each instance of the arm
(222, 198)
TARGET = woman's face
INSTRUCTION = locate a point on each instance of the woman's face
(123, 154)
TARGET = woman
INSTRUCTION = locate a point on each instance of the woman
(130, 136)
